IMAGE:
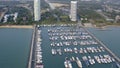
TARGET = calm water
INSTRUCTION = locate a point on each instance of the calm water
(110, 36)
(15, 44)
(14, 47)
(57, 61)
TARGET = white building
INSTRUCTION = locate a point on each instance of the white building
(117, 18)
(37, 13)
(73, 11)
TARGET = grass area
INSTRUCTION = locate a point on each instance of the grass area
(46, 23)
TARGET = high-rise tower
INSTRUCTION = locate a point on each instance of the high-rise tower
(73, 11)
(37, 13)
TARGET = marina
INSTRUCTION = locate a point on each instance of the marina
(78, 45)
(56, 47)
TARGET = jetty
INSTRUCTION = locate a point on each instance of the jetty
(30, 60)
(38, 50)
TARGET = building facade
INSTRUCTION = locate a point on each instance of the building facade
(37, 13)
(73, 11)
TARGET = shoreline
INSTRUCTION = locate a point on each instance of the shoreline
(101, 27)
(17, 26)
(107, 26)
(110, 26)
(31, 26)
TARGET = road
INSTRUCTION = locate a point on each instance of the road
(3, 13)
(50, 4)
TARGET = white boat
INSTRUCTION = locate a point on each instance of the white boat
(91, 62)
(39, 66)
(113, 59)
(81, 50)
(97, 59)
(85, 51)
(59, 51)
(105, 60)
(75, 49)
(67, 64)
(53, 51)
(102, 49)
(78, 62)
(73, 58)
(86, 60)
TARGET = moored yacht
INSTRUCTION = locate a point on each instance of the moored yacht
(78, 62)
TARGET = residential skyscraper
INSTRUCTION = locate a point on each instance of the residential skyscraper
(73, 11)
(37, 13)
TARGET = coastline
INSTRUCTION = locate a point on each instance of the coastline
(110, 26)
(106, 26)
(101, 27)
(17, 26)
(31, 26)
